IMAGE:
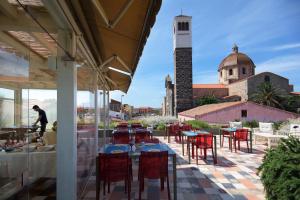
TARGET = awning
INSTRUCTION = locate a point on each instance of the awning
(113, 34)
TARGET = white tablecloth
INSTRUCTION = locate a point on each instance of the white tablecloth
(36, 164)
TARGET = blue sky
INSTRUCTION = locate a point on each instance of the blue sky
(268, 31)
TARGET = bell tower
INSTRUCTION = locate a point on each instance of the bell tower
(182, 51)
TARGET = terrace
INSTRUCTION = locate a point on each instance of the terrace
(66, 57)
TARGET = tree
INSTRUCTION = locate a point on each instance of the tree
(268, 95)
(210, 99)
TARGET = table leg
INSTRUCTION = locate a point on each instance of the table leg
(168, 136)
(97, 179)
(174, 177)
(250, 141)
(220, 131)
(230, 141)
(182, 144)
(215, 149)
(188, 149)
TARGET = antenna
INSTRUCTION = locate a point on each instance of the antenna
(181, 11)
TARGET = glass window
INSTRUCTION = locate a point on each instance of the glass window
(179, 26)
(244, 70)
(186, 26)
(244, 113)
(267, 78)
(230, 72)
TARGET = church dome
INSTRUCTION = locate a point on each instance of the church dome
(236, 58)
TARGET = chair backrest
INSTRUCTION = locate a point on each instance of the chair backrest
(205, 140)
(186, 127)
(122, 125)
(121, 138)
(241, 134)
(136, 125)
(114, 167)
(152, 140)
(49, 138)
(235, 125)
(295, 128)
(154, 165)
(266, 127)
(142, 136)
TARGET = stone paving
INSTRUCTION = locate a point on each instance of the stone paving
(234, 177)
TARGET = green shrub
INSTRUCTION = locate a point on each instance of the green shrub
(280, 170)
(276, 125)
(210, 99)
(250, 124)
(198, 124)
(161, 126)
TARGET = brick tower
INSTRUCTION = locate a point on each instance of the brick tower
(182, 44)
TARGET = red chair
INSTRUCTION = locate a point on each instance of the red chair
(241, 135)
(142, 136)
(121, 138)
(225, 134)
(153, 165)
(173, 130)
(204, 141)
(114, 168)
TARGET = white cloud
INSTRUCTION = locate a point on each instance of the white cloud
(280, 64)
(286, 46)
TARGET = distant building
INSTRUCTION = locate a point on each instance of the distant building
(115, 105)
(222, 113)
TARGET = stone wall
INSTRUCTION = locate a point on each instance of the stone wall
(202, 92)
(239, 88)
(183, 91)
(276, 80)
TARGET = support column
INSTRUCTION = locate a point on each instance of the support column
(18, 107)
(96, 114)
(66, 167)
(104, 118)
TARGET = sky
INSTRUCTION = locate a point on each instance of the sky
(267, 31)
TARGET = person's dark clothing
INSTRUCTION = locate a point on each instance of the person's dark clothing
(43, 119)
(43, 122)
(43, 129)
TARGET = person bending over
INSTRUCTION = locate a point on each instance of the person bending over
(42, 119)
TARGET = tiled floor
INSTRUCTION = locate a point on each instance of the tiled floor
(234, 177)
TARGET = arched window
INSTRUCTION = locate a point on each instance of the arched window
(230, 72)
(221, 73)
(244, 70)
(267, 78)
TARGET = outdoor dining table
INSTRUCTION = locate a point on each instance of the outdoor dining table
(135, 152)
(231, 135)
(192, 134)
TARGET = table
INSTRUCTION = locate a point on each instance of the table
(191, 134)
(38, 164)
(270, 137)
(135, 154)
(231, 134)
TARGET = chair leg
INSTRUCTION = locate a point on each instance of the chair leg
(205, 153)
(104, 183)
(247, 146)
(193, 153)
(196, 155)
(239, 145)
(169, 195)
(129, 187)
(108, 187)
(234, 140)
(140, 189)
(162, 183)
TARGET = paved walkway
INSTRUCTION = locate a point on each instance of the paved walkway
(234, 177)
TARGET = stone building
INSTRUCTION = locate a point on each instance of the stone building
(236, 74)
